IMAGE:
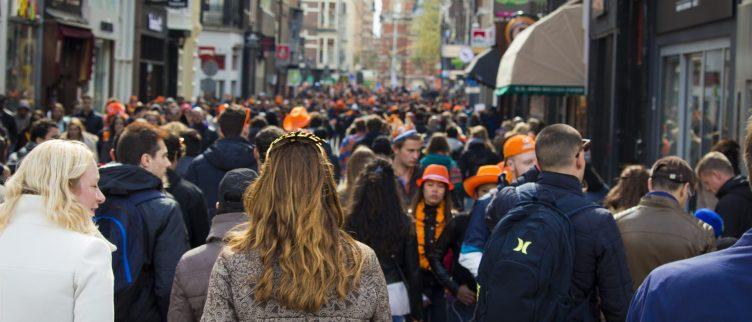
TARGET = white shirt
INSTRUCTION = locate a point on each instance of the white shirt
(48, 273)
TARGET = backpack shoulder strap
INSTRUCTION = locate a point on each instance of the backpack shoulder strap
(571, 205)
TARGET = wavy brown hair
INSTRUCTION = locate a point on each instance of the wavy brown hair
(633, 184)
(296, 228)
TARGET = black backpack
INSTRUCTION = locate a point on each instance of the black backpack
(121, 221)
(526, 270)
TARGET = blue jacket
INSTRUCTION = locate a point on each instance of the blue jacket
(210, 167)
(711, 287)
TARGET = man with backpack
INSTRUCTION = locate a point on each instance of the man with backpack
(143, 222)
(554, 256)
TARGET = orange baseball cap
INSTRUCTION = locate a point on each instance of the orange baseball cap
(297, 119)
(518, 144)
(486, 174)
(436, 172)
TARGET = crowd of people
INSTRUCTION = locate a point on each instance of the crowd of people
(343, 203)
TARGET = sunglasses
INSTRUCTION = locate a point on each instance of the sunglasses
(583, 148)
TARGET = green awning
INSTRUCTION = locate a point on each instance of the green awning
(540, 90)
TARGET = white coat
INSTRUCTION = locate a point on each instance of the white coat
(48, 273)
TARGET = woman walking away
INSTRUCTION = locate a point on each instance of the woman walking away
(54, 263)
(632, 186)
(377, 219)
(294, 261)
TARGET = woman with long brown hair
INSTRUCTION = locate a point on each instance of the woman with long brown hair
(294, 260)
(633, 185)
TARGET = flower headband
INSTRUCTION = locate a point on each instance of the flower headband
(292, 137)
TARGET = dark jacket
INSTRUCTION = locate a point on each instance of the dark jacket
(403, 266)
(476, 155)
(210, 167)
(92, 121)
(208, 136)
(659, 231)
(193, 270)
(192, 202)
(165, 237)
(710, 287)
(451, 240)
(16, 157)
(601, 276)
(735, 206)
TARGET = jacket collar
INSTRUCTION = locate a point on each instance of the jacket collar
(561, 181)
(745, 240)
(731, 184)
(659, 199)
(30, 210)
(222, 223)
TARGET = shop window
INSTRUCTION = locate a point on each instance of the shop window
(235, 58)
(20, 67)
(670, 111)
(220, 88)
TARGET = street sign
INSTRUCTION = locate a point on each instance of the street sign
(283, 52)
(466, 55)
(210, 67)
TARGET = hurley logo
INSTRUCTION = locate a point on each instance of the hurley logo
(522, 246)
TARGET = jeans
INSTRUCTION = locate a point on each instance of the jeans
(397, 318)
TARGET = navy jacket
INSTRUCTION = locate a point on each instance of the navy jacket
(710, 287)
(93, 122)
(735, 206)
(601, 275)
(210, 167)
(165, 234)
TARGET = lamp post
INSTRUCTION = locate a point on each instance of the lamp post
(397, 10)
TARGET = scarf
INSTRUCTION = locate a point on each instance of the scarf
(420, 229)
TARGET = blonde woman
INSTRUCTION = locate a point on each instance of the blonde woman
(54, 263)
(294, 261)
(77, 132)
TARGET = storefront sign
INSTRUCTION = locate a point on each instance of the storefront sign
(680, 14)
(154, 22)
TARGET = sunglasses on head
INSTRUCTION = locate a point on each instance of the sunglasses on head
(583, 148)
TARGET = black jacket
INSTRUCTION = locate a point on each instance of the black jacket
(165, 233)
(601, 275)
(403, 266)
(192, 202)
(476, 155)
(735, 206)
(451, 240)
(210, 167)
(92, 121)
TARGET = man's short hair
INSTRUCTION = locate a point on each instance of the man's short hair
(556, 146)
(174, 146)
(715, 161)
(137, 139)
(264, 139)
(192, 142)
(232, 120)
(360, 124)
(40, 128)
(375, 124)
(671, 173)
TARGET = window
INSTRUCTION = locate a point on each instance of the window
(235, 58)
(330, 52)
(220, 88)
(331, 15)
(321, 51)
(220, 61)
(212, 12)
(234, 88)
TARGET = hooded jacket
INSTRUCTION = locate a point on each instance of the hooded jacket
(210, 167)
(735, 206)
(476, 155)
(193, 270)
(165, 236)
(193, 205)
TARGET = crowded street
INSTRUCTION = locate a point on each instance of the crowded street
(375, 160)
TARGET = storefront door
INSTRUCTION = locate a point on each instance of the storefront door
(695, 107)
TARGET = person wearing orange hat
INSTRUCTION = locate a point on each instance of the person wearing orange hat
(297, 119)
(519, 156)
(484, 181)
(432, 210)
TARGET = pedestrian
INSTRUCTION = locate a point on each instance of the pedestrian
(230, 152)
(156, 238)
(377, 220)
(632, 186)
(584, 239)
(189, 197)
(40, 131)
(293, 260)
(480, 188)
(22, 120)
(519, 156)
(107, 137)
(55, 264)
(438, 152)
(658, 230)
(92, 120)
(193, 271)
(478, 151)
(406, 149)
(432, 210)
(686, 290)
(192, 145)
(77, 132)
(733, 192)
(264, 139)
(57, 115)
(355, 165)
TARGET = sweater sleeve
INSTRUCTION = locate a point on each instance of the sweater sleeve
(219, 306)
(94, 285)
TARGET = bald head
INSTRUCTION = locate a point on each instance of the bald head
(557, 147)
